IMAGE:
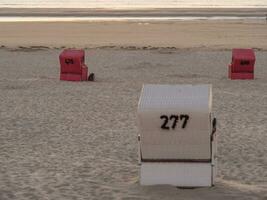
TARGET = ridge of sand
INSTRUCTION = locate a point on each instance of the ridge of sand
(163, 50)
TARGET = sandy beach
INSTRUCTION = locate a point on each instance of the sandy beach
(65, 140)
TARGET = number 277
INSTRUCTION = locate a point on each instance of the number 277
(170, 122)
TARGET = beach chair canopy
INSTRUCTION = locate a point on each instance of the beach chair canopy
(243, 60)
(175, 122)
(72, 61)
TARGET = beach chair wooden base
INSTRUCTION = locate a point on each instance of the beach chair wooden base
(177, 174)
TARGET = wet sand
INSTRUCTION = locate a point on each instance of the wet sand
(183, 34)
(135, 12)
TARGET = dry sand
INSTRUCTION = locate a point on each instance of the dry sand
(65, 140)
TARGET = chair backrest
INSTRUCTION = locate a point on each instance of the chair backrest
(71, 61)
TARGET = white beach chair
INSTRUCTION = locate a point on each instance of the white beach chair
(177, 141)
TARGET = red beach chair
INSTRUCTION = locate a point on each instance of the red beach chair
(242, 66)
(72, 66)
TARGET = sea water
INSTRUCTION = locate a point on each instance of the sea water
(133, 3)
